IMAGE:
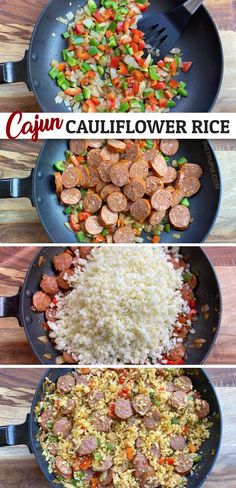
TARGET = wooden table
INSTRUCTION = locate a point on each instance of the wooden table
(18, 467)
(14, 345)
(19, 221)
(18, 17)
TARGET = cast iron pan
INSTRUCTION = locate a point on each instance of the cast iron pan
(40, 188)
(200, 42)
(27, 433)
(207, 292)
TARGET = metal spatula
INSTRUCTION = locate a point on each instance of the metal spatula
(163, 31)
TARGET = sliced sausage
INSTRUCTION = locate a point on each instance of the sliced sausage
(149, 481)
(94, 158)
(187, 184)
(81, 379)
(152, 419)
(62, 261)
(135, 189)
(156, 217)
(150, 155)
(65, 383)
(63, 467)
(71, 177)
(92, 225)
(107, 190)
(140, 209)
(107, 217)
(85, 251)
(92, 202)
(62, 281)
(115, 145)
(141, 404)
(58, 182)
(183, 383)
(183, 464)
(62, 427)
(78, 146)
(169, 147)
(153, 183)
(170, 175)
(104, 170)
(102, 422)
(50, 314)
(180, 217)
(70, 196)
(132, 151)
(119, 174)
(95, 143)
(87, 445)
(203, 408)
(41, 301)
(123, 409)
(110, 156)
(93, 177)
(178, 399)
(52, 449)
(177, 352)
(139, 169)
(191, 169)
(94, 397)
(176, 197)
(141, 466)
(124, 235)
(106, 478)
(85, 180)
(104, 465)
(117, 201)
(45, 417)
(161, 200)
(49, 284)
(177, 442)
(100, 185)
(159, 165)
(88, 476)
(69, 407)
(155, 450)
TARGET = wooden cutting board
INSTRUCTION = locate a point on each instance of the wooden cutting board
(18, 17)
(14, 345)
(19, 221)
(18, 468)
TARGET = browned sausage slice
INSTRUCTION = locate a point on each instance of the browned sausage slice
(94, 397)
(135, 189)
(100, 185)
(94, 158)
(41, 301)
(87, 445)
(169, 146)
(161, 200)
(85, 251)
(95, 143)
(93, 177)
(177, 442)
(50, 314)
(170, 175)
(104, 171)
(140, 209)
(69, 406)
(107, 190)
(202, 408)
(92, 225)
(141, 404)
(184, 464)
(139, 169)
(183, 383)
(179, 217)
(62, 261)
(116, 145)
(178, 399)
(78, 146)
(187, 184)
(62, 427)
(104, 465)
(132, 151)
(191, 169)
(102, 422)
(117, 202)
(152, 419)
(119, 174)
(92, 202)
(71, 177)
(156, 217)
(159, 165)
(124, 235)
(153, 183)
(49, 284)
(45, 417)
(150, 155)
(107, 217)
(178, 351)
(176, 197)
(141, 466)
(110, 156)
(123, 409)
(63, 467)
(65, 383)
(58, 182)
(70, 196)
(62, 281)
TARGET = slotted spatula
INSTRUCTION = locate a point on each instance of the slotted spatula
(164, 30)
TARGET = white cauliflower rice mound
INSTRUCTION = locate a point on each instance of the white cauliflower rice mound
(122, 308)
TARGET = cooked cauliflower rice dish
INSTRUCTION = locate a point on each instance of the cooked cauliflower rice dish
(129, 428)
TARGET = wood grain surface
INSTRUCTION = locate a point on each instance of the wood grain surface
(19, 221)
(18, 468)
(14, 347)
(18, 17)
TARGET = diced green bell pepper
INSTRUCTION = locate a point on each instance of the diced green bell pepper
(80, 236)
(59, 166)
(92, 6)
(153, 73)
(124, 107)
(53, 73)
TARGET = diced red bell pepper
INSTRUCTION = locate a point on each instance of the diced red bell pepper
(186, 66)
(192, 303)
(84, 215)
(137, 32)
(120, 27)
(111, 100)
(173, 84)
(79, 29)
(161, 63)
(160, 85)
(141, 7)
(115, 61)
(74, 222)
(162, 103)
(124, 393)
(100, 18)
(136, 87)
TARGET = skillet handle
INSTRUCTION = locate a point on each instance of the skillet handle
(9, 306)
(14, 71)
(14, 435)
(17, 187)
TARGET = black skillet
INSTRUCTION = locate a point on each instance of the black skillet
(200, 43)
(208, 292)
(40, 188)
(26, 433)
